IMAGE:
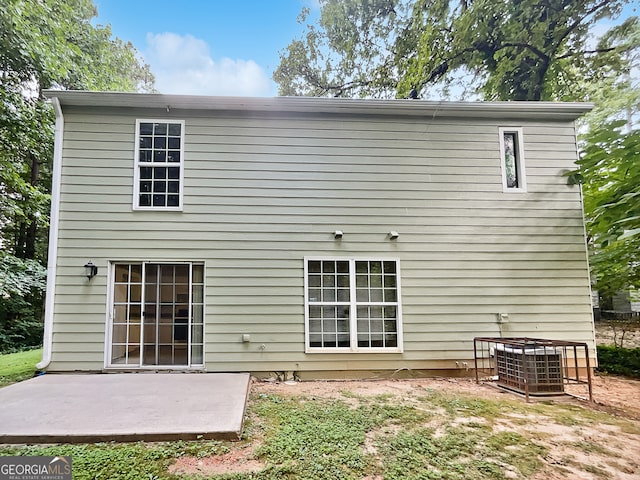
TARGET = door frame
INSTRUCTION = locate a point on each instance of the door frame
(108, 365)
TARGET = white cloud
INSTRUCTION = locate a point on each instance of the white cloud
(313, 4)
(183, 65)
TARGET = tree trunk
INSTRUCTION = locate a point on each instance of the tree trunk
(20, 239)
(32, 228)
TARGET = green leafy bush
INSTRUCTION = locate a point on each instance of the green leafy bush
(621, 361)
(22, 286)
(21, 326)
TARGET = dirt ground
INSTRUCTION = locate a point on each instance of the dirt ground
(565, 460)
(612, 391)
(614, 395)
(608, 333)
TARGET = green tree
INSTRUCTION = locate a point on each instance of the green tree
(609, 170)
(610, 174)
(50, 43)
(44, 44)
(525, 50)
(22, 285)
(26, 141)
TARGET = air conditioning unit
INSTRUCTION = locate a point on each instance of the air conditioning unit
(533, 367)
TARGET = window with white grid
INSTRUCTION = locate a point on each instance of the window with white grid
(352, 305)
(159, 165)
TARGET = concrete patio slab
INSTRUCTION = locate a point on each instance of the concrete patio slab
(124, 407)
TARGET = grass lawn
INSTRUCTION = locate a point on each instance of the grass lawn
(410, 431)
(15, 367)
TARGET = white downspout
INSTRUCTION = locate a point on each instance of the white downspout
(53, 237)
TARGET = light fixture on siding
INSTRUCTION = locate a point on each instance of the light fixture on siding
(393, 235)
(337, 234)
(91, 270)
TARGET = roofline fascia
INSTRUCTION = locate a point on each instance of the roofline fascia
(420, 108)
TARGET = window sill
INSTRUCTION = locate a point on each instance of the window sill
(514, 190)
(352, 350)
(158, 209)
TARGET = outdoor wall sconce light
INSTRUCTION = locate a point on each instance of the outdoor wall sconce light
(337, 234)
(91, 270)
(393, 235)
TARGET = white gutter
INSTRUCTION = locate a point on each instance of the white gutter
(53, 237)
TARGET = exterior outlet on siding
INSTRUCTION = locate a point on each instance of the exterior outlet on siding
(323, 236)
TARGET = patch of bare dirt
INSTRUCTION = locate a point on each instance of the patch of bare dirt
(619, 395)
(588, 452)
(335, 389)
(612, 333)
(236, 461)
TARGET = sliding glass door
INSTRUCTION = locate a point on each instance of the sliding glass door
(157, 315)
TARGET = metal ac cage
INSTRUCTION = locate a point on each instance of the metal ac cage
(533, 366)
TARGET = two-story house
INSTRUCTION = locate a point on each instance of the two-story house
(327, 237)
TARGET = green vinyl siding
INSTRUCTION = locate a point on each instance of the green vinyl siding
(262, 191)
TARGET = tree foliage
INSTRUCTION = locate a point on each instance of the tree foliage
(22, 287)
(525, 50)
(20, 277)
(26, 146)
(53, 43)
(610, 171)
(44, 44)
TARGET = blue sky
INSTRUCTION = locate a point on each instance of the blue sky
(208, 47)
(217, 47)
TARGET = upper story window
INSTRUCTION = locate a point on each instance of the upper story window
(159, 165)
(352, 305)
(512, 156)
